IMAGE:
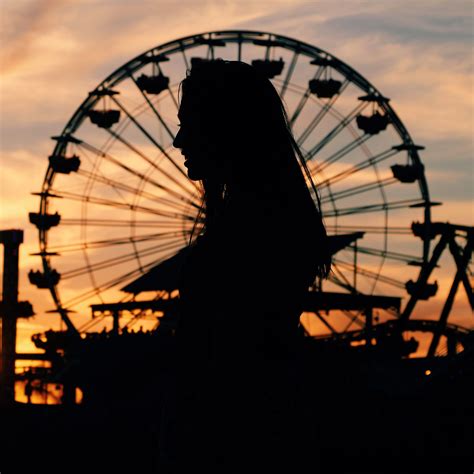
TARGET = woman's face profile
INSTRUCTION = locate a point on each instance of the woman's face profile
(199, 142)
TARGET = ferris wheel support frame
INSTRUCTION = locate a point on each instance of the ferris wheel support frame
(461, 255)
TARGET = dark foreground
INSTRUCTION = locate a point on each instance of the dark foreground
(354, 428)
(396, 436)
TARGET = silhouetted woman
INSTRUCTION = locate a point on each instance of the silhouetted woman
(243, 283)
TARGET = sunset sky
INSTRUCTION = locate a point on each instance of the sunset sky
(53, 52)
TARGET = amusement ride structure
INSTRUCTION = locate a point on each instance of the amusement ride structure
(117, 212)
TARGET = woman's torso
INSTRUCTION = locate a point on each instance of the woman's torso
(242, 287)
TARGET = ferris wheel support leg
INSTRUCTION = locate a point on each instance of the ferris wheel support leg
(461, 275)
(424, 275)
(444, 315)
(462, 258)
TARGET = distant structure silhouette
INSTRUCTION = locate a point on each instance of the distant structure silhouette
(369, 195)
(263, 235)
(228, 389)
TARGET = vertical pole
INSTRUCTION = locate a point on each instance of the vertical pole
(116, 324)
(368, 326)
(444, 314)
(369, 348)
(355, 266)
(11, 240)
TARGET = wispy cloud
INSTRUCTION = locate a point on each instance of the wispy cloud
(22, 23)
(418, 53)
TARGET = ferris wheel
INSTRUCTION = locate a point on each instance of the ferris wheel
(116, 200)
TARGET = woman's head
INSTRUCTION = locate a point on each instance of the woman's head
(234, 135)
(231, 117)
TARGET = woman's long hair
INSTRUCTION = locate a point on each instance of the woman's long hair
(235, 97)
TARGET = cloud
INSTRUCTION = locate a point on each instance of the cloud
(62, 50)
(21, 174)
(55, 51)
(435, 26)
(24, 22)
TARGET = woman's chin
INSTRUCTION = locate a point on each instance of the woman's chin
(193, 175)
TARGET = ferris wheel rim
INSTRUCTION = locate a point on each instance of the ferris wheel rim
(121, 73)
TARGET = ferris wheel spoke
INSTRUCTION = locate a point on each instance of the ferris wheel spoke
(323, 111)
(316, 120)
(173, 98)
(316, 193)
(356, 190)
(185, 58)
(137, 192)
(398, 256)
(356, 318)
(334, 132)
(115, 161)
(145, 132)
(337, 277)
(152, 107)
(325, 321)
(299, 107)
(406, 203)
(370, 274)
(358, 167)
(96, 291)
(210, 50)
(304, 98)
(91, 176)
(95, 174)
(111, 262)
(79, 246)
(119, 205)
(123, 223)
(289, 73)
(87, 326)
(171, 91)
(120, 128)
(158, 169)
(340, 153)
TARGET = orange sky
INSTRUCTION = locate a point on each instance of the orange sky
(55, 51)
